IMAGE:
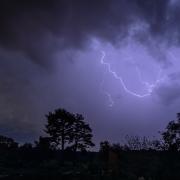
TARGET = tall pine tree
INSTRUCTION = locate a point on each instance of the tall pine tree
(59, 128)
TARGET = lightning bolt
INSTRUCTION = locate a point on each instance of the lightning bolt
(111, 102)
(149, 86)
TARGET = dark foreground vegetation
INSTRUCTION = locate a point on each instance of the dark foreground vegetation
(63, 154)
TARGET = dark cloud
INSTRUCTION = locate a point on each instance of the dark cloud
(38, 28)
(33, 33)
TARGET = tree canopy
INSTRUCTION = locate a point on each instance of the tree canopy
(68, 130)
(171, 135)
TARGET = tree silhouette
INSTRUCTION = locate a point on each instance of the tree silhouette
(81, 134)
(27, 146)
(105, 147)
(59, 128)
(43, 143)
(65, 128)
(141, 143)
(6, 142)
(171, 136)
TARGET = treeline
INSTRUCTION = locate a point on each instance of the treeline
(66, 131)
(64, 152)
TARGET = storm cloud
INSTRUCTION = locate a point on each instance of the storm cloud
(47, 61)
(37, 28)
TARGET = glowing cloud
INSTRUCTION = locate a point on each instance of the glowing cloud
(149, 86)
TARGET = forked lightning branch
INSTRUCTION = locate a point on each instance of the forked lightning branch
(149, 86)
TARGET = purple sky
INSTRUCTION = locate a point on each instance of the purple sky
(116, 62)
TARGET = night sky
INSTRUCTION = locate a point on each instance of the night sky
(115, 61)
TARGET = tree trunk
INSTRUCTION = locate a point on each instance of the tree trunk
(62, 148)
(62, 143)
(75, 148)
